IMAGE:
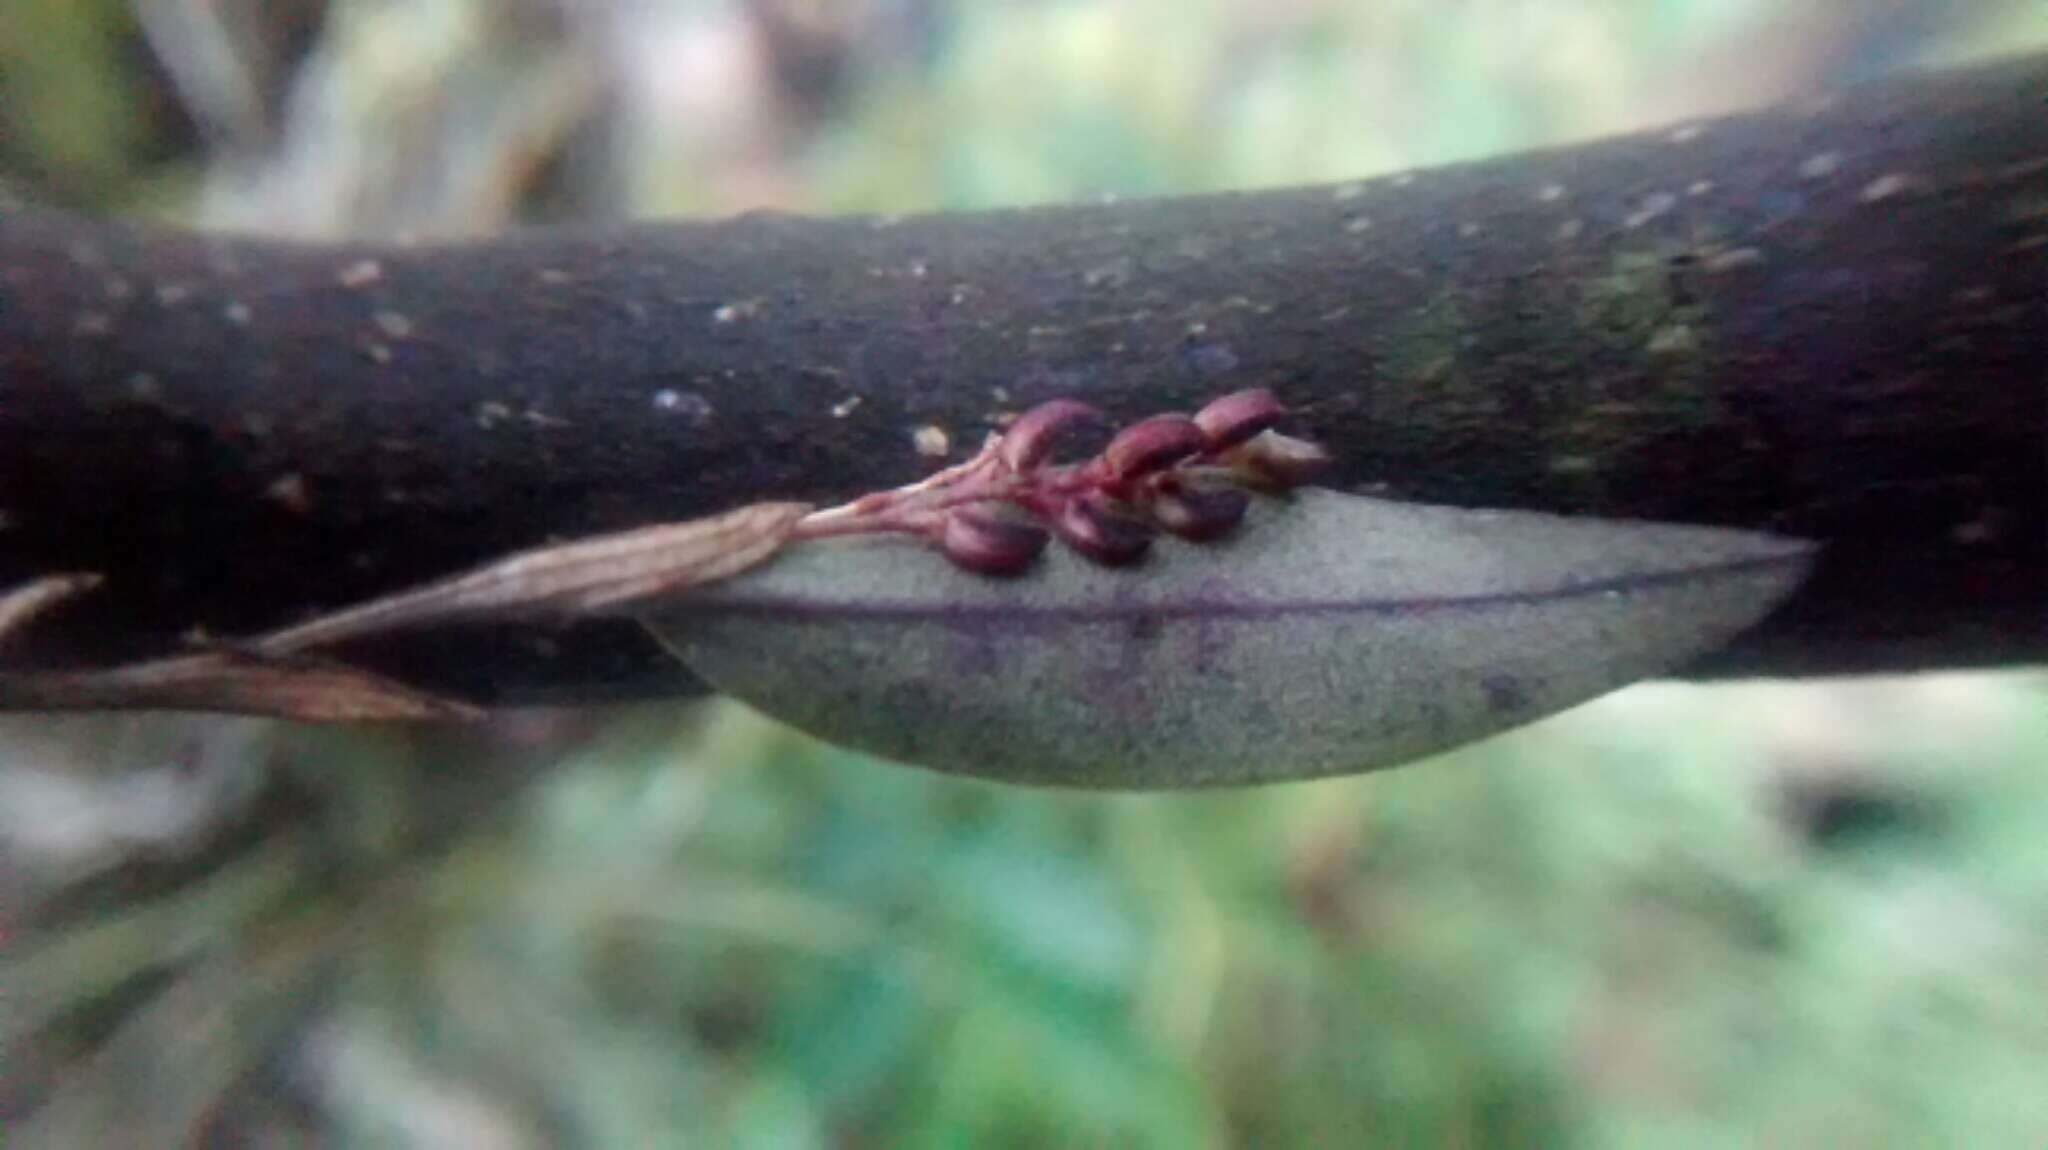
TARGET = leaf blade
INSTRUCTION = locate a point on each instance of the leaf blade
(1335, 634)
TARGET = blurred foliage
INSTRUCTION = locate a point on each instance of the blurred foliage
(1641, 922)
(1680, 916)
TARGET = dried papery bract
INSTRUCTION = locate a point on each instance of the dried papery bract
(276, 674)
(1277, 462)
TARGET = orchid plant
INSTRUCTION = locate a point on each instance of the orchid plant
(1336, 633)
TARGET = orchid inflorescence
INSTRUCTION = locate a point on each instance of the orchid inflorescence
(1186, 475)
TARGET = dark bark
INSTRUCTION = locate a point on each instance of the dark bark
(1829, 319)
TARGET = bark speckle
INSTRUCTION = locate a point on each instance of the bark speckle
(289, 492)
(1734, 259)
(360, 274)
(734, 312)
(684, 404)
(393, 324)
(1821, 165)
(1653, 206)
(1885, 187)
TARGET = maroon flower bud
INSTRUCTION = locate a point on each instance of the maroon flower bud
(1029, 441)
(1090, 525)
(979, 538)
(1199, 513)
(1238, 417)
(1278, 462)
(1152, 444)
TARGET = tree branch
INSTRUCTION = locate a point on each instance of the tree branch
(1825, 319)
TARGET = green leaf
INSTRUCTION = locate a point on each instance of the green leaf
(1332, 634)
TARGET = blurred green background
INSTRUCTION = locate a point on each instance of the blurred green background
(1810, 914)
